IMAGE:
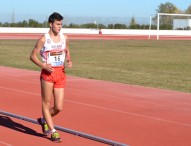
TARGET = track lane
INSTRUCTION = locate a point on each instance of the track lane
(121, 114)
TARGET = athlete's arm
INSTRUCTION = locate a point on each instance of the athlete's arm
(68, 57)
(35, 52)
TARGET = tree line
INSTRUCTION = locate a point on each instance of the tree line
(167, 7)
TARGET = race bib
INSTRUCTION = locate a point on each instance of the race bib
(56, 58)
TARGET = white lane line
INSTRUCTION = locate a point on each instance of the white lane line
(134, 114)
(130, 99)
(4, 143)
(109, 109)
(19, 90)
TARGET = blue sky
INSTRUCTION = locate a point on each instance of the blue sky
(108, 8)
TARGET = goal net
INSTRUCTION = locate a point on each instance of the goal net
(171, 25)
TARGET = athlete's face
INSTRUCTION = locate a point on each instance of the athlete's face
(56, 26)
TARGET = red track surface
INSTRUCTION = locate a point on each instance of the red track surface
(94, 36)
(134, 115)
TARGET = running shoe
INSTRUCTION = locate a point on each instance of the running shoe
(55, 137)
(44, 126)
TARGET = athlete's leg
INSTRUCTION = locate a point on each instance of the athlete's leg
(58, 101)
(47, 93)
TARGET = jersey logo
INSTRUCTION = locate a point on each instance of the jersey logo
(48, 41)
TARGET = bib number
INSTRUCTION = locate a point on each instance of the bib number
(56, 59)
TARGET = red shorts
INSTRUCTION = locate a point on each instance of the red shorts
(57, 77)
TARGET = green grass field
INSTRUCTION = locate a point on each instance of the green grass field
(151, 63)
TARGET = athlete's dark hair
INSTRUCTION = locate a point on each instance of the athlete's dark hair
(55, 16)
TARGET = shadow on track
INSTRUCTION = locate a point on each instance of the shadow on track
(9, 123)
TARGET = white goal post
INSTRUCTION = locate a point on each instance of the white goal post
(179, 22)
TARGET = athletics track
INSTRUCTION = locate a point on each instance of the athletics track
(95, 36)
(133, 115)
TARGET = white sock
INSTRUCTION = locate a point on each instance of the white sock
(52, 131)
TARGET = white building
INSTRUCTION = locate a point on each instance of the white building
(181, 24)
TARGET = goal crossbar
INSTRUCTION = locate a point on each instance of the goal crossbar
(172, 14)
(158, 20)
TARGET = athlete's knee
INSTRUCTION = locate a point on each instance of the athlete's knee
(58, 108)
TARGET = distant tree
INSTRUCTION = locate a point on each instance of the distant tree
(188, 10)
(120, 26)
(13, 24)
(24, 23)
(72, 25)
(101, 26)
(90, 25)
(45, 24)
(110, 26)
(34, 23)
(166, 21)
(6, 24)
(144, 26)
(133, 24)
(167, 8)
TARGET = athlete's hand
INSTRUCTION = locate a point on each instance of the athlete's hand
(69, 63)
(48, 67)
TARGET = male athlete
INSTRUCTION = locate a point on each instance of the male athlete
(53, 48)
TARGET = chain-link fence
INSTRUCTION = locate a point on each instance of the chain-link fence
(7, 19)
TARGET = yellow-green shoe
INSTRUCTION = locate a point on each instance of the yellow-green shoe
(55, 137)
(44, 126)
